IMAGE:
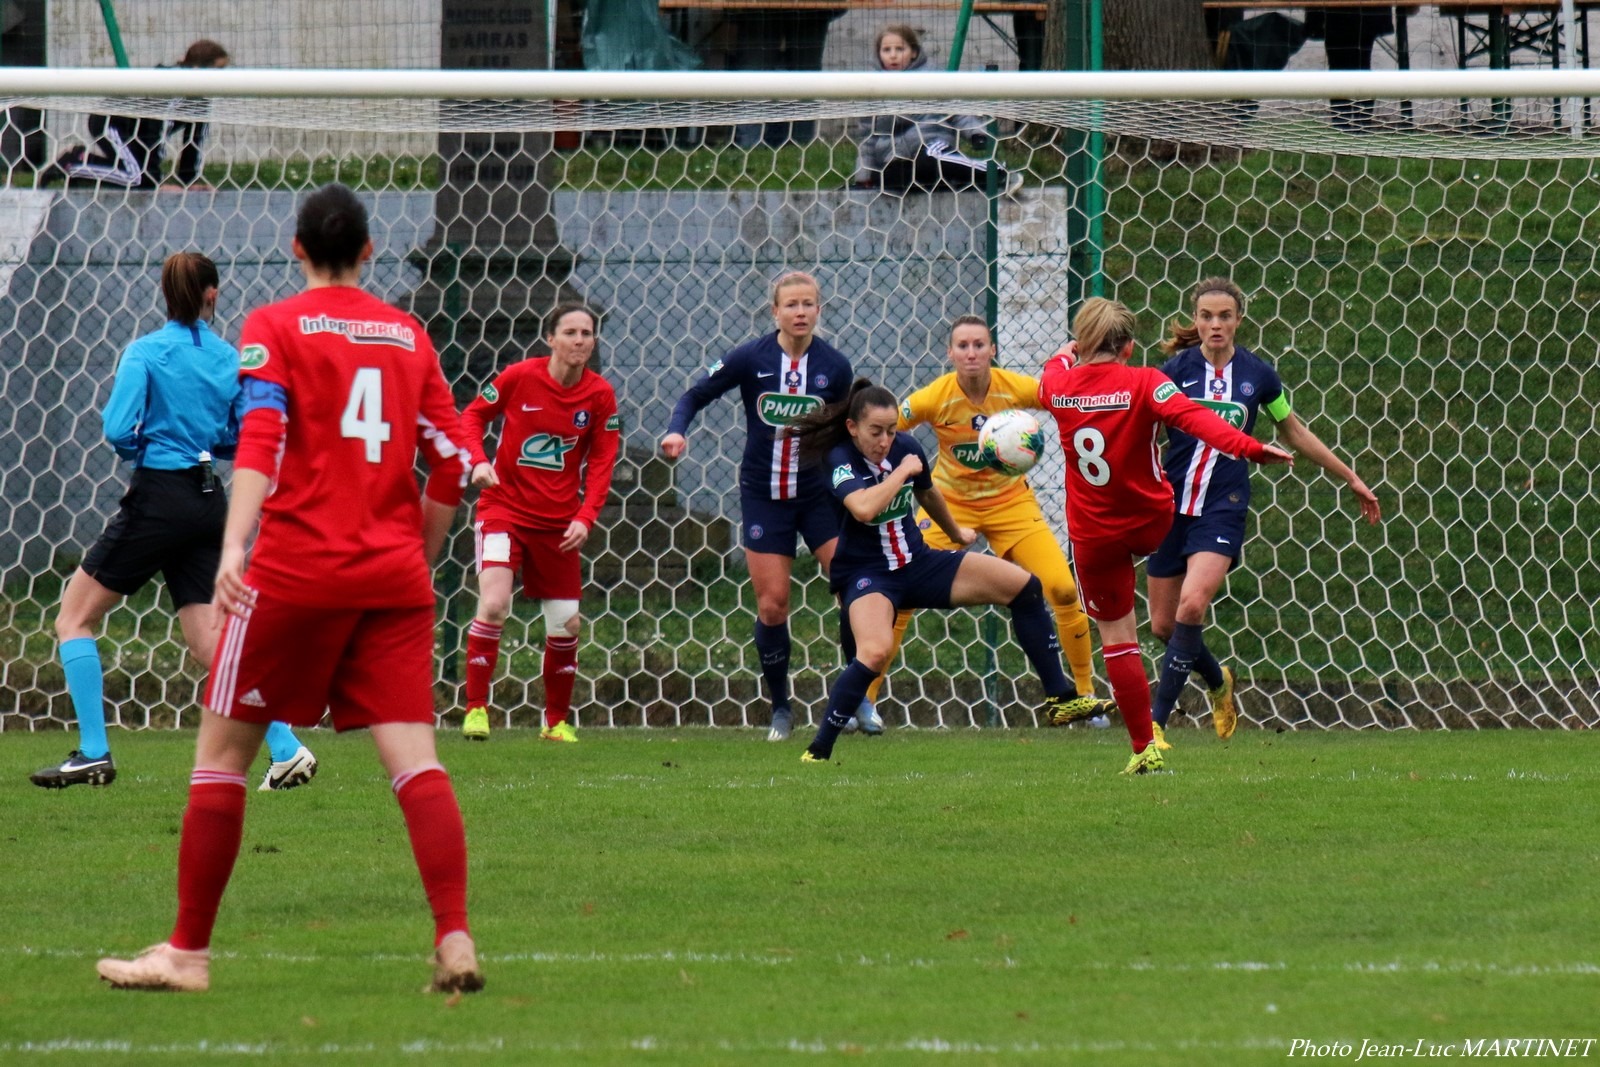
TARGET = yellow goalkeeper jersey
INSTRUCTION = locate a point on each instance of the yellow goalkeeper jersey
(960, 475)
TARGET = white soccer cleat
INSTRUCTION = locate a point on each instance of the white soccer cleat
(161, 968)
(298, 769)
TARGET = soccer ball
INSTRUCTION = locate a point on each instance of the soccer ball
(1011, 441)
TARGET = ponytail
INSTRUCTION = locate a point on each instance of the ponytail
(822, 429)
(185, 277)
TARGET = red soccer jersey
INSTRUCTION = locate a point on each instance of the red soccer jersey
(550, 430)
(342, 526)
(1109, 415)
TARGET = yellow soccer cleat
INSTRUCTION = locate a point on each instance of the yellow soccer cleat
(807, 757)
(1161, 737)
(1147, 762)
(561, 731)
(1224, 712)
(476, 725)
(1064, 711)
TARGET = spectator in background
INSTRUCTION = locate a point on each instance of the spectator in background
(897, 153)
(773, 39)
(129, 151)
(1348, 35)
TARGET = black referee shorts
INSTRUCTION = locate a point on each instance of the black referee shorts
(164, 523)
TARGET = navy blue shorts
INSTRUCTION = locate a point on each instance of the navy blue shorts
(776, 526)
(1222, 533)
(925, 582)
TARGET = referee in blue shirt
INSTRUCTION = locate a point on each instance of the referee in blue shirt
(174, 409)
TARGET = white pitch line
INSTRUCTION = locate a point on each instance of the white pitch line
(886, 961)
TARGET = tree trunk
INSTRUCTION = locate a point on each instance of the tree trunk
(1156, 35)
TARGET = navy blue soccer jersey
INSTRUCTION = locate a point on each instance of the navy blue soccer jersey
(891, 539)
(776, 390)
(1203, 480)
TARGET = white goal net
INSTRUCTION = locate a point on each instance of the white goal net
(1421, 271)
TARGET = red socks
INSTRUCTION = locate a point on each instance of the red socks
(560, 672)
(439, 843)
(1131, 686)
(483, 652)
(213, 826)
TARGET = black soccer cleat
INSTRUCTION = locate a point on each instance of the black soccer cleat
(76, 769)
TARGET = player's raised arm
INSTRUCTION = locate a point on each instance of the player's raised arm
(723, 376)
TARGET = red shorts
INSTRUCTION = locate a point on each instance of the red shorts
(290, 663)
(547, 572)
(1105, 568)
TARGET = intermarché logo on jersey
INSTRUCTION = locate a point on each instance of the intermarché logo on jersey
(362, 331)
(546, 451)
(1233, 414)
(780, 409)
(898, 508)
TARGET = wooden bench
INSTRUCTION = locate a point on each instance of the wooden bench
(1035, 8)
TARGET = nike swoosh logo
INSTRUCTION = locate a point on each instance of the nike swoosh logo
(768, 374)
(529, 407)
(1223, 541)
(1192, 381)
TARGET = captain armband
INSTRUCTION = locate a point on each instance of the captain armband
(264, 394)
(1279, 407)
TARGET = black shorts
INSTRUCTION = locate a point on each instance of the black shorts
(164, 523)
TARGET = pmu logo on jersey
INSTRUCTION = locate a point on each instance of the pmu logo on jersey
(580, 418)
(1233, 413)
(362, 331)
(970, 456)
(546, 451)
(1164, 392)
(253, 357)
(780, 409)
(898, 508)
(614, 423)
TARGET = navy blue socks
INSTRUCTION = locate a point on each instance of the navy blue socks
(1035, 627)
(849, 689)
(1183, 648)
(772, 645)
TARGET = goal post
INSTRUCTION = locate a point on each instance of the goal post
(1424, 279)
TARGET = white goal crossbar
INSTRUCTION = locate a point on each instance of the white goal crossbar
(744, 85)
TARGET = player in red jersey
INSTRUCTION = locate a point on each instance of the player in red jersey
(336, 608)
(559, 417)
(1119, 502)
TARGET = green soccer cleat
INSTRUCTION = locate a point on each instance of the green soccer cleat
(476, 725)
(561, 731)
(1147, 762)
(1064, 711)
(1161, 737)
(1224, 712)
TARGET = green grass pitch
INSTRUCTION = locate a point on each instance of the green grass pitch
(701, 897)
